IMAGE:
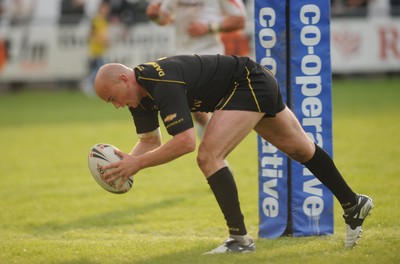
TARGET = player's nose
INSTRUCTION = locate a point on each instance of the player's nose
(117, 105)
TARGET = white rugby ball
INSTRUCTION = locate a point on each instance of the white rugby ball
(101, 155)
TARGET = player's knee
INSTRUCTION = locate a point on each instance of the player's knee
(301, 154)
(202, 158)
(205, 158)
(210, 158)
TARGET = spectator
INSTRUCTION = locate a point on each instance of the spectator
(3, 54)
(235, 43)
(19, 12)
(1, 9)
(98, 45)
(128, 12)
(198, 24)
(395, 7)
(72, 11)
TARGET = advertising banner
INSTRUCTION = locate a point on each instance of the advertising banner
(365, 45)
(311, 101)
(292, 39)
(270, 41)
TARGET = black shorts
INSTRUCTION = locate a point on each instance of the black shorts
(255, 90)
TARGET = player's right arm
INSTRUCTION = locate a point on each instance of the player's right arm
(181, 144)
(147, 142)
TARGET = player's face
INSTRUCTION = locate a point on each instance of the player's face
(124, 94)
(119, 96)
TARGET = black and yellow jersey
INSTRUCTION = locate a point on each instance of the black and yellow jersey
(183, 84)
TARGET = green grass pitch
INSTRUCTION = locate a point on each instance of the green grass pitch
(52, 211)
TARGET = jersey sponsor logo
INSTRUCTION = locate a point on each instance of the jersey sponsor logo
(157, 67)
(140, 68)
(174, 123)
(169, 118)
(196, 105)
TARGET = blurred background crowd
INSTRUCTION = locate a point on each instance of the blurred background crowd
(27, 48)
(130, 12)
(72, 12)
(354, 8)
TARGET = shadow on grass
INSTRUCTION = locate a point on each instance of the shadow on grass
(280, 250)
(80, 261)
(113, 218)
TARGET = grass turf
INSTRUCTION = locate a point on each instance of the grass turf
(52, 211)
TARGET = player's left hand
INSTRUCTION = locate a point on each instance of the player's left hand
(197, 29)
(121, 169)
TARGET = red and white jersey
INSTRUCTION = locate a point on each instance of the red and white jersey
(206, 11)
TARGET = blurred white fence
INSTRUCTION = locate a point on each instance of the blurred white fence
(60, 53)
(50, 52)
(365, 45)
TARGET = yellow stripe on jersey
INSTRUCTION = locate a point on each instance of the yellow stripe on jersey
(144, 108)
(251, 89)
(151, 97)
(158, 80)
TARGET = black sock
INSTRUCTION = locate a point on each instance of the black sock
(324, 169)
(224, 188)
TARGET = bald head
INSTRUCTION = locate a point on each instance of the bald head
(107, 76)
(115, 83)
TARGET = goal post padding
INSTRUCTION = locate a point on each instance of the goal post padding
(292, 39)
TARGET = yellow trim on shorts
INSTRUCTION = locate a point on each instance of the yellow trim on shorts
(251, 89)
(233, 92)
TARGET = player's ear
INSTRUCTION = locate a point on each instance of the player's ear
(123, 77)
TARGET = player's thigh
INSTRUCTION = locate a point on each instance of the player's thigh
(285, 132)
(226, 130)
(201, 117)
